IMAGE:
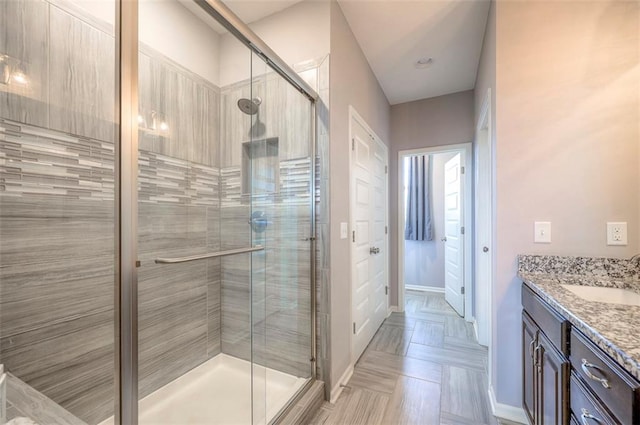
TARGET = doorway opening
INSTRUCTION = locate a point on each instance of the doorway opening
(435, 224)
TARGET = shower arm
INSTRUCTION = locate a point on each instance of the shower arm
(209, 255)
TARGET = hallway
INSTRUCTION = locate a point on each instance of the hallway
(422, 367)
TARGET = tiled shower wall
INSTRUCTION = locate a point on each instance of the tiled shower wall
(56, 207)
(57, 266)
(56, 217)
(57, 220)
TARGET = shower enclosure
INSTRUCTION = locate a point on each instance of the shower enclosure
(156, 216)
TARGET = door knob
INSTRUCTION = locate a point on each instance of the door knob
(374, 250)
(485, 249)
(443, 239)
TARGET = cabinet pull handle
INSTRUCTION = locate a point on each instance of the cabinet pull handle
(536, 356)
(533, 341)
(585, 368)
(586, 416)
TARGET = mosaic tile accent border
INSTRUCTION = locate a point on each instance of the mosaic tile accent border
(294, 184)
(163, 179)
(34, 161)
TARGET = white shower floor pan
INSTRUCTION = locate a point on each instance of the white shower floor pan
(218, 392)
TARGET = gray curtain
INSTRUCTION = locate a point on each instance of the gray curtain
(418, 225)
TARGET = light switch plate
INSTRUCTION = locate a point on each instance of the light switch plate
(542, 232)
(344, 230)
(616, 233)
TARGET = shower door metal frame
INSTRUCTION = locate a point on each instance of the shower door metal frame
(126, 411)
(126, 194)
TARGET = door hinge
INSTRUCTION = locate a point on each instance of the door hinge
(386, 290)
(354, 328)
(353, 144)
(462, 290)
(461, 170)
(462, 230)
(386, 169)
(386, 230)
(353, 236)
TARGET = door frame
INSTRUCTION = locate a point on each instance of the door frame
(485, 123)
(467, 188)
(354, 115)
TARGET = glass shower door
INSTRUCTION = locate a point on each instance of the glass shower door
(224, 226)
(58, 144)
(200, 280)
(280, 159)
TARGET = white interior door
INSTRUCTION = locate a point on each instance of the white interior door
(453, 237)
(483, 227)
(369, 253)
(378, 259)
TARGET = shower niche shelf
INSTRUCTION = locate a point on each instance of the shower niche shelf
(260, 167)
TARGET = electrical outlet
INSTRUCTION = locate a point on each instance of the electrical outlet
(542, 232)
(617, 233)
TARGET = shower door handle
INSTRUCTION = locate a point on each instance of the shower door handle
(209, 255)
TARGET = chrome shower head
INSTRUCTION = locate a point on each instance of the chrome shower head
(249, 106)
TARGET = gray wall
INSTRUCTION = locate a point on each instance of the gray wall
(351, 83)
(438, 121)
(567, 144)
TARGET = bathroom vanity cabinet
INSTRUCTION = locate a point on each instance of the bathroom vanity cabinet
(567, 379)
(545, 363)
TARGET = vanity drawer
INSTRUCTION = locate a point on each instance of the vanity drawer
(554, 326)
(584, 408)
(620, 392)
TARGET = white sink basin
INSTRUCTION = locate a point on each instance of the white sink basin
(605, 295)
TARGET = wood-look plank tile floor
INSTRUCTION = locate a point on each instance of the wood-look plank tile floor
(423, 367)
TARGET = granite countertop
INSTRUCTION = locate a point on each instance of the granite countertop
(614, 328)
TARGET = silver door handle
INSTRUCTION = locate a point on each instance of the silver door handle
(485, 249)
(209, 255)
(443, 239)
(374, 250)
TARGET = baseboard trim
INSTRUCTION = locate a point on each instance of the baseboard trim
(424, 288)
(392, 309)
(337, 389)
(504, 411)
(474, 322)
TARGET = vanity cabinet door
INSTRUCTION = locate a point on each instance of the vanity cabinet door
(529, 369)
(553, 370)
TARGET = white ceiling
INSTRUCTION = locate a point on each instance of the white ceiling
(394, 34)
